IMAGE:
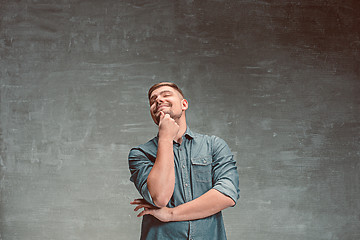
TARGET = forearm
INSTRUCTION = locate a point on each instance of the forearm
(161, 179)
(206, 205)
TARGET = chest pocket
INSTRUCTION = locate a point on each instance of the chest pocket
(202, 168)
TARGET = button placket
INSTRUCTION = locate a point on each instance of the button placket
(186, 175)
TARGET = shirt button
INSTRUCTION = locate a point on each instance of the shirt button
(186, 184)
(183, 166)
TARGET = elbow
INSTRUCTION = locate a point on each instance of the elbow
(232, 203)
(161, 200)
(229, 202)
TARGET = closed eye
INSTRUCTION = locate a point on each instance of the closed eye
(165, 93)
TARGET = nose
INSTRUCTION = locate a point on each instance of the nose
(159, 99)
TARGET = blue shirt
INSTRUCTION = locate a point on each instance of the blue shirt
(201, 163)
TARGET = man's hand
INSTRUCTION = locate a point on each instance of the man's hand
(163, 214)
(168, 128)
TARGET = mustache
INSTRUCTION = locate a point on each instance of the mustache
(161, 105)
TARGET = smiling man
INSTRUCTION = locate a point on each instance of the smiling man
(185, 179)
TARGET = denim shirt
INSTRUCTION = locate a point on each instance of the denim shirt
(201, 163)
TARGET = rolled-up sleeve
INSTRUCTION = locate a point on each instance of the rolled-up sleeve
(225, 175)
(140, 166)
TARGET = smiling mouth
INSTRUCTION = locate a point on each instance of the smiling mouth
(160, 107)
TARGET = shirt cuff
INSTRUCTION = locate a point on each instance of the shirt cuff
(227, 188)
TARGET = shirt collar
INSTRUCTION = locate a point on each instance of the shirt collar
(188, 133)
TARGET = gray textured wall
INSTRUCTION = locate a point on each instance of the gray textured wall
(278, 80)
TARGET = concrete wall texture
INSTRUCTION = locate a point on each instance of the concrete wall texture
(278, 80)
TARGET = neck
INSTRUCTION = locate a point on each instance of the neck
(182, 129)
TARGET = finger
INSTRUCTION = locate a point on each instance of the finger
(162, 115)
(145, 212)
(167, 116)
(137, 208)
(143, 206)
(138, 201)
(141, 214)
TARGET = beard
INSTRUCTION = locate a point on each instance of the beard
(167, 111)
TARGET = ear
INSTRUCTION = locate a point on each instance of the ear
(184, 104)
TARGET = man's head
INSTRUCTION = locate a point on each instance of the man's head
(167, 97)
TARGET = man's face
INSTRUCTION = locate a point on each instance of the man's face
(168, 100)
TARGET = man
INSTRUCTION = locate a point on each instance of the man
(185, 178)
